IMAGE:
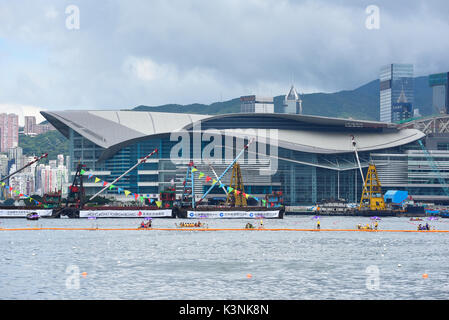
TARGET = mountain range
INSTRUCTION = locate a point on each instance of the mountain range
(361, 103)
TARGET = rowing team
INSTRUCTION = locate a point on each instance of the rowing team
(251, 226)
(368, 227)
(426, 227)
(191, 225)
(144, 224)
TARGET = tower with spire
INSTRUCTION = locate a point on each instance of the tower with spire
(402, 109)
(292, 102)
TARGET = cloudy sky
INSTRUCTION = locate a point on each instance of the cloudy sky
(125, 53)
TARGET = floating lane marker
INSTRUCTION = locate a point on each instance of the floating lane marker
(217, 229)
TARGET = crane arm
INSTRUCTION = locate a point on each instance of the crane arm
(227, 169)
(125, 173)
(354, 145)
(36, 159)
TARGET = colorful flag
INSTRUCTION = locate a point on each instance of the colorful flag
(82, 171)
(159, 203)
(127, 192)
(201, 175)
(96, 179)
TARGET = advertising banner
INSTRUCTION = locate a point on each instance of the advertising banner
(12, 213)
(233, 214)
(125, 213)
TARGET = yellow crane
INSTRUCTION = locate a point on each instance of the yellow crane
(236, 199)
(372, 197)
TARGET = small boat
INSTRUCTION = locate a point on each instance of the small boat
(191, 225)
(415, 219)
(32, 216)
(146, 224)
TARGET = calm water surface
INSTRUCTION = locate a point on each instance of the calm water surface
(216, 265)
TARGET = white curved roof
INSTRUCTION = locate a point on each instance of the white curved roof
(109, 128)
(114, 129)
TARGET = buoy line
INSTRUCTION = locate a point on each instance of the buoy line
(216, 229)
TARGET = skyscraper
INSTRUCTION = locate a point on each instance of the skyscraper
(30, 123)
(396, 92)
(440, 92)
(9, 131)
(292, 102)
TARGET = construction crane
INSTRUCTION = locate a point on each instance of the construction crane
(216, 176)
(354, 145)
(76, 197)
(237, 200)
(221, 176)
(188, 185)
(371, 198)
(125, 173)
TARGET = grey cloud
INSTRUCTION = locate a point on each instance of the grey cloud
(201, 50)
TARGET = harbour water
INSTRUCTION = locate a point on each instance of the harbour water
(243, 265)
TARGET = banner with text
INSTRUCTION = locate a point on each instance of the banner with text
(233, 214)
(23, 212)
(125, 213)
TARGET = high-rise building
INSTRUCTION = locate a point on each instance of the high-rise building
(440, 92)
(32, 129)
(401, 109)
(256, 104)
(9, 131)
(292, 102)
(3, 165)
(396, 84)
(15, 156)
(30, 123)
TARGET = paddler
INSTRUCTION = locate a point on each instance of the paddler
(375, 225)
(318, 226)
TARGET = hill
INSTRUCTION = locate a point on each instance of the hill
(361, 103)
(51, 142)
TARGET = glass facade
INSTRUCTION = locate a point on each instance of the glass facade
(304, 178)
(440, 92)
(396, 86)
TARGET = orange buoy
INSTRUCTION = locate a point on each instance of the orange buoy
(249, 276)
(84, 274)
(425, 275)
